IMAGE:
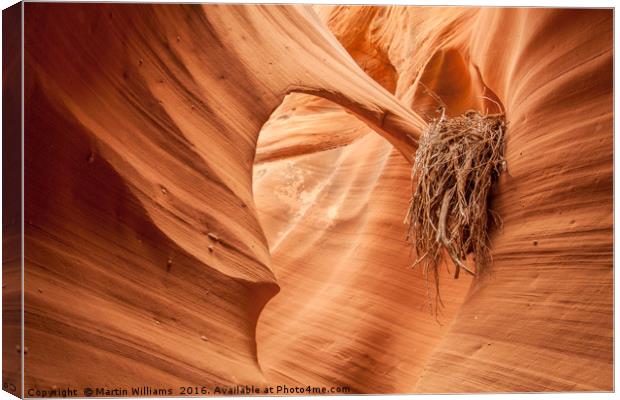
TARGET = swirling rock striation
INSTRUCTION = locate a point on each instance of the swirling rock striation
(158, 252)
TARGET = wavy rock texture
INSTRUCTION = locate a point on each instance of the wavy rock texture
(157, 252)
(349, 309)
(143, 250)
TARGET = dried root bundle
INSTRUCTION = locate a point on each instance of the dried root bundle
(457, 161)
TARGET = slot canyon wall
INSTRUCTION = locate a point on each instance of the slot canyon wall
(215, 194)
(332, 198)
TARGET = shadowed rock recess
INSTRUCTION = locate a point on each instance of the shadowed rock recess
(215, 195)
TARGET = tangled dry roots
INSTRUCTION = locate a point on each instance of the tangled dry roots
(457, 161)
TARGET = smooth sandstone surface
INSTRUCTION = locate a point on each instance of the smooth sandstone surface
(215, 195)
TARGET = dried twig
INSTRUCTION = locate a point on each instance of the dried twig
(457, 161)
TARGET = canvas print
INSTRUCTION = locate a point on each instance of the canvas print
(297, 199)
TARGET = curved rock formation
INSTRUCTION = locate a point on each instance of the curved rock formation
(141, 129)
(153, 242)
(542, 319)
